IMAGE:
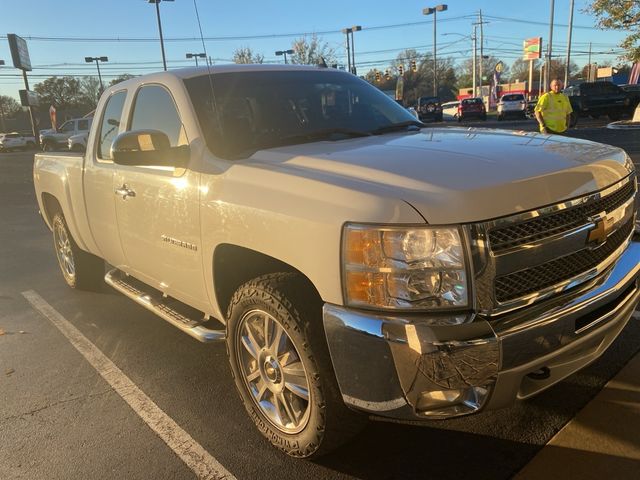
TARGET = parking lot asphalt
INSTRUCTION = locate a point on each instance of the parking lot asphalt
(60, 419)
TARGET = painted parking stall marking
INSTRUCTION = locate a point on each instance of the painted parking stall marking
(190, 452)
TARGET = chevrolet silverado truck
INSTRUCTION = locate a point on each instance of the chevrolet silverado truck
(357, 264)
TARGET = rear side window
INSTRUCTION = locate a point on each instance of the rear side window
(110, 124)
(155, 110)
(512, 98)
(83, 125)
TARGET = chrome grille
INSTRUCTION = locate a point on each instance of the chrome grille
(504, 238)
(531, 280)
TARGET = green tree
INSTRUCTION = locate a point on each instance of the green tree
(246, 55)
(61, 92)
(89, 92)
(310, 51)
(620, 15)
(9, 107)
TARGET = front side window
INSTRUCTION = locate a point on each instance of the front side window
(110, 124)
(155, 110)
(242, 112)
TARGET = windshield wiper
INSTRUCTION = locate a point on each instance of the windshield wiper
(395, 127)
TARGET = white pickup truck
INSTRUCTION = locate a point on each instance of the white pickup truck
(356, 263)
(51, 140)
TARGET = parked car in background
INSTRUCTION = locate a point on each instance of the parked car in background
(16, 141)
(471, 108)
(51, 140)
(512, 105)
(78, 143)
(633, 93)
(450, 110)
(429, 109)
(593, 99)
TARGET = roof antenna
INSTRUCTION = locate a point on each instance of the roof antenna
(322, 63)
(204, 48)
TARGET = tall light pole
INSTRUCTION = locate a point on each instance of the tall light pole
(547, 71)
(285, 53)
(347, 31)
(157, 2)
(355, 28)
(570, 30)
(97, 60)
(196, 55)
(429, 11)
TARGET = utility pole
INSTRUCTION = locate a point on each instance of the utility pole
(566, 67)
(474, 60)
(547, 71)
(589, 65)
(481, 51)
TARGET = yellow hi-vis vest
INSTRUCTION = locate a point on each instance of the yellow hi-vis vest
(554, 108)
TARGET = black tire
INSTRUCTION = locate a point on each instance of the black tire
(48, 147)
(78, 148)
(499, 118)
(304, 416)
(459, 118)
(80, 269)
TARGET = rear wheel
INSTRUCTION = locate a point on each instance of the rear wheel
(281, 366)
(80, 269)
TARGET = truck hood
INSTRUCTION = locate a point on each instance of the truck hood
(457, 175)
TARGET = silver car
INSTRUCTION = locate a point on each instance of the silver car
(512, 104)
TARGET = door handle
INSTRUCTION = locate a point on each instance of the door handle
(125, 191)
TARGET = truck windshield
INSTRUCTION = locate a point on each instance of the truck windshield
(257, 110)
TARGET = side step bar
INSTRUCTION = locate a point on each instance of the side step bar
(125, 285)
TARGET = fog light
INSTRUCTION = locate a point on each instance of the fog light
(450, 403)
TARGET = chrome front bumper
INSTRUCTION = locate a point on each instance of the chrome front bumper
(411, 367)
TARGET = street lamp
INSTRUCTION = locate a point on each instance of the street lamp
(429, 11)
(284, 52)
(97, 60)
(157, 2)
(351, 53)
(196, 55)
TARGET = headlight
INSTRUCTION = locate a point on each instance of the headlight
(404, 267)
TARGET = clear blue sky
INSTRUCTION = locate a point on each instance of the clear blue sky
(73, 29)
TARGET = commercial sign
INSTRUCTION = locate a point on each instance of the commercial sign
(29, 98)
(19, 52)
(532, 48)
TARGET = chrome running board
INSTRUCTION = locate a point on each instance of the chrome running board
(126, 285)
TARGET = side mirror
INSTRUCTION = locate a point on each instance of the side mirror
(148, 148)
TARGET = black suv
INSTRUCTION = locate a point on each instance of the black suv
(633, 92)
(429, 108)
(597, 98)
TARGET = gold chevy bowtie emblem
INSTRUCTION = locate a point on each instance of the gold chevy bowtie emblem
(604, 226)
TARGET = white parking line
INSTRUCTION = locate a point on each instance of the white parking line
(189, 451)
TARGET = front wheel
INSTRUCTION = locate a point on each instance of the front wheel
(281, 366)
(80, 269)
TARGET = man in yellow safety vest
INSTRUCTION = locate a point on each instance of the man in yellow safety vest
(553, 110)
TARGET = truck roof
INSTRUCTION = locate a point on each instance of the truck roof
(189, 72)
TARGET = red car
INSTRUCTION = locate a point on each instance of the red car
(471, 108)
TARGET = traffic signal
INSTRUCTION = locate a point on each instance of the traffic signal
(387, 74)
(400, 70)
(378, 76)
(414, 67)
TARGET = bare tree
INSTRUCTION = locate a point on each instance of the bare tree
(246, 55)
(310, 51)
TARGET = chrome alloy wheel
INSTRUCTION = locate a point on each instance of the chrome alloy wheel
(63, 250)
(273, 372)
